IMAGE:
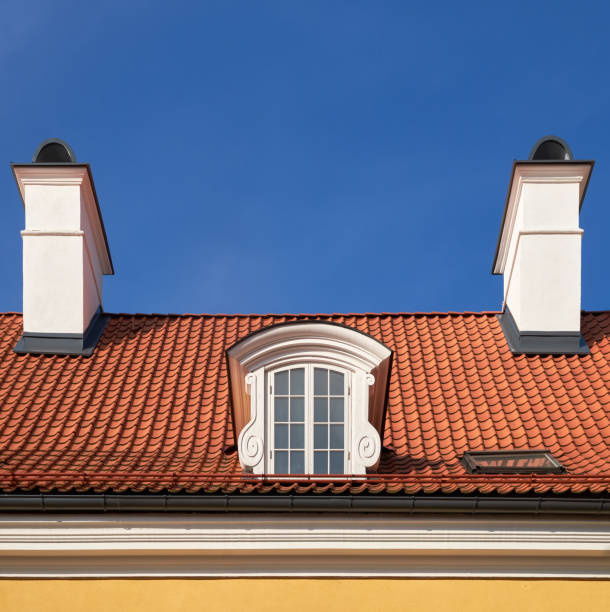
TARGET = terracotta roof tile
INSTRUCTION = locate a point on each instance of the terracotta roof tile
(150, 410)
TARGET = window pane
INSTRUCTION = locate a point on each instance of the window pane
(281, 408)
(320, 381)
(320, 409)
(281, 462)
(297, 462)
(297, 409)
(336, 383)
(297, 381)
(336, 409)
(281, 436)
(297, 436)
(336, 462)
(320, 436)
(320, 462)
(281, 383)
(336, 436)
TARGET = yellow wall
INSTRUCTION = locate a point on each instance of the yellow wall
(311, 595)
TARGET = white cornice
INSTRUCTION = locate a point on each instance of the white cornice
(535, 173)
(68, 176)
(302, 545)
(315, 340)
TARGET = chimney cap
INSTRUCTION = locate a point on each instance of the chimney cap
(551, 148)
(54, 151)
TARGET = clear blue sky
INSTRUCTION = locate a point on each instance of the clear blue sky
(304, 156)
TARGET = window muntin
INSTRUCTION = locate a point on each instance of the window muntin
(307, 417)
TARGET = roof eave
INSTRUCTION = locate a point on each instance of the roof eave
(408, 504)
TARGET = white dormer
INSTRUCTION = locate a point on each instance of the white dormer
(308, 398)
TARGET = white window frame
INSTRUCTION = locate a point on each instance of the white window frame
(309, 343)
(309, 414)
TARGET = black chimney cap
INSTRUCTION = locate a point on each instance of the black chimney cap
(54, 151)
(551, 148)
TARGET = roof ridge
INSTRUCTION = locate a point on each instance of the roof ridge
(433, 313)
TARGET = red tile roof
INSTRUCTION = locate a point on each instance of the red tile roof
(150, 410)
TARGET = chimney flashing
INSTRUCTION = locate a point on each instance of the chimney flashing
(540, 342)
(64, 344)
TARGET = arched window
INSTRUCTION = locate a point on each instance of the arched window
(308, 428)
(308, 399)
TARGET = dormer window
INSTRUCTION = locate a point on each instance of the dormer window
(308, 398)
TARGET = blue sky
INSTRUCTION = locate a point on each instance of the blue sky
(304, 156)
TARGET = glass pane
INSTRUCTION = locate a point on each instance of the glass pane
(336, 383)
(320, 381)
(336, 462)
(281, 436)
(320, 463)
(281, 462)
(281, 383)
(297, 436)
(297, 462)
(281, 408)
(320, 409)
(336, 409)
(297, 381)
(336, 436)
(320, 436)
(297, 409)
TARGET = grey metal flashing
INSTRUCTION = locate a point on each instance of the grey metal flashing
(410, 504)
(540, 342)
(97, 204)
(535, 162)
(64, 344)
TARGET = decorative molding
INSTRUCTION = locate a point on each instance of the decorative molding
(251, 443)
(78, 233)
(532, 172)
(69, 175)
(309, 545)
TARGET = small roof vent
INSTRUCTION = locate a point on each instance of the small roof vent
(54, 151)
(551, 148)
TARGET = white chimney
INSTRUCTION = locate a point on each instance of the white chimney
(65, 253)
(539, 251)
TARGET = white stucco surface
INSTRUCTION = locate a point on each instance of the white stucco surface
(540, 248)
(64, 252)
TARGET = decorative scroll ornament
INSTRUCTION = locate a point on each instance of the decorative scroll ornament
(368, 448)
(251, 448)
(251, 445)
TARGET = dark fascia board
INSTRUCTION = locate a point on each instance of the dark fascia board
(540, 342)
(534, 162)
(407, 504)
(97, 204)
(64, 344)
